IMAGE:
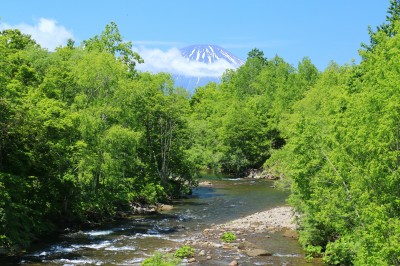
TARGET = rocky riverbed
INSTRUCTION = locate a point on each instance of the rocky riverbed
(252, 232)
(218, 205)
(274, 219)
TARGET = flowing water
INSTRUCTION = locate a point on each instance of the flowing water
(131, 241)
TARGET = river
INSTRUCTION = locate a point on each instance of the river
(128, 242)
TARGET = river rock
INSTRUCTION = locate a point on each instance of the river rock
(234, 263)
(205, 184)
(259, 174)
(230, 245)
(152, 209)
(207, 231)
(202, 253)
(291, 234)
(208, 257)
(252, 250)
(139, 209)
(257, 252)
(246, 245)
(165, 207)
(191, 260)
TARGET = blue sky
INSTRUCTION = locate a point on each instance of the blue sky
(322, 30)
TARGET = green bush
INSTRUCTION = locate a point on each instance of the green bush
(184, 252)
(152, 193)
(340, 252)
(160, 259)
(313, 252)
(228, 237)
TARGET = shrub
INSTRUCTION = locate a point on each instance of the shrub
(313, 252)
(184, 252)
(340, 252)
(160, 259)
(228, 237)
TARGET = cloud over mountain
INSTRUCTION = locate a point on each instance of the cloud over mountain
(172, 61)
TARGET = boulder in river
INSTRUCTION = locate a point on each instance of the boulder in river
(245, 245)
(234, 263)
(259, 174)
(138, 208)
(257, 252)
(205, 184)
(165, 207)
(252, 250)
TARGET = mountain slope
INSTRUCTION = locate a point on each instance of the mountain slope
(209, 55)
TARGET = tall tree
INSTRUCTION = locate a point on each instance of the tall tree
(388, 28)
(110, 41)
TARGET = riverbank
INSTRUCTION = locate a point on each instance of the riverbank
(273, 219)
(217, 206)
(259, 235)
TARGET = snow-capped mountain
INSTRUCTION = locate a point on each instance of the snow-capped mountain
(210, 55)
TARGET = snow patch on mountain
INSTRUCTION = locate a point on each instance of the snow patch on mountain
(210, 54)
(172, 61)
(192, 66)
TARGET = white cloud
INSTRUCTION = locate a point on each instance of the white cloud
(173, 62)
(46, 32)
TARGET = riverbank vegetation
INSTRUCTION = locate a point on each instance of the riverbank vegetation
(83, 135)
(342, 155)
(333, 136)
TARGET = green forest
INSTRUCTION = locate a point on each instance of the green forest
(84, 135)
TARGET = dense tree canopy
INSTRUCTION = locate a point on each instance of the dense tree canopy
(83, 135)
(342, 157)
(235, 124)
(332, 136)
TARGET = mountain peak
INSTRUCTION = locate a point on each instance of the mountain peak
(209, 54)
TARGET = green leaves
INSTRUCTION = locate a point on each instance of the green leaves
(342, 157)
(228, 237)
(110, 41)
(82, 135)
(236, 124)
